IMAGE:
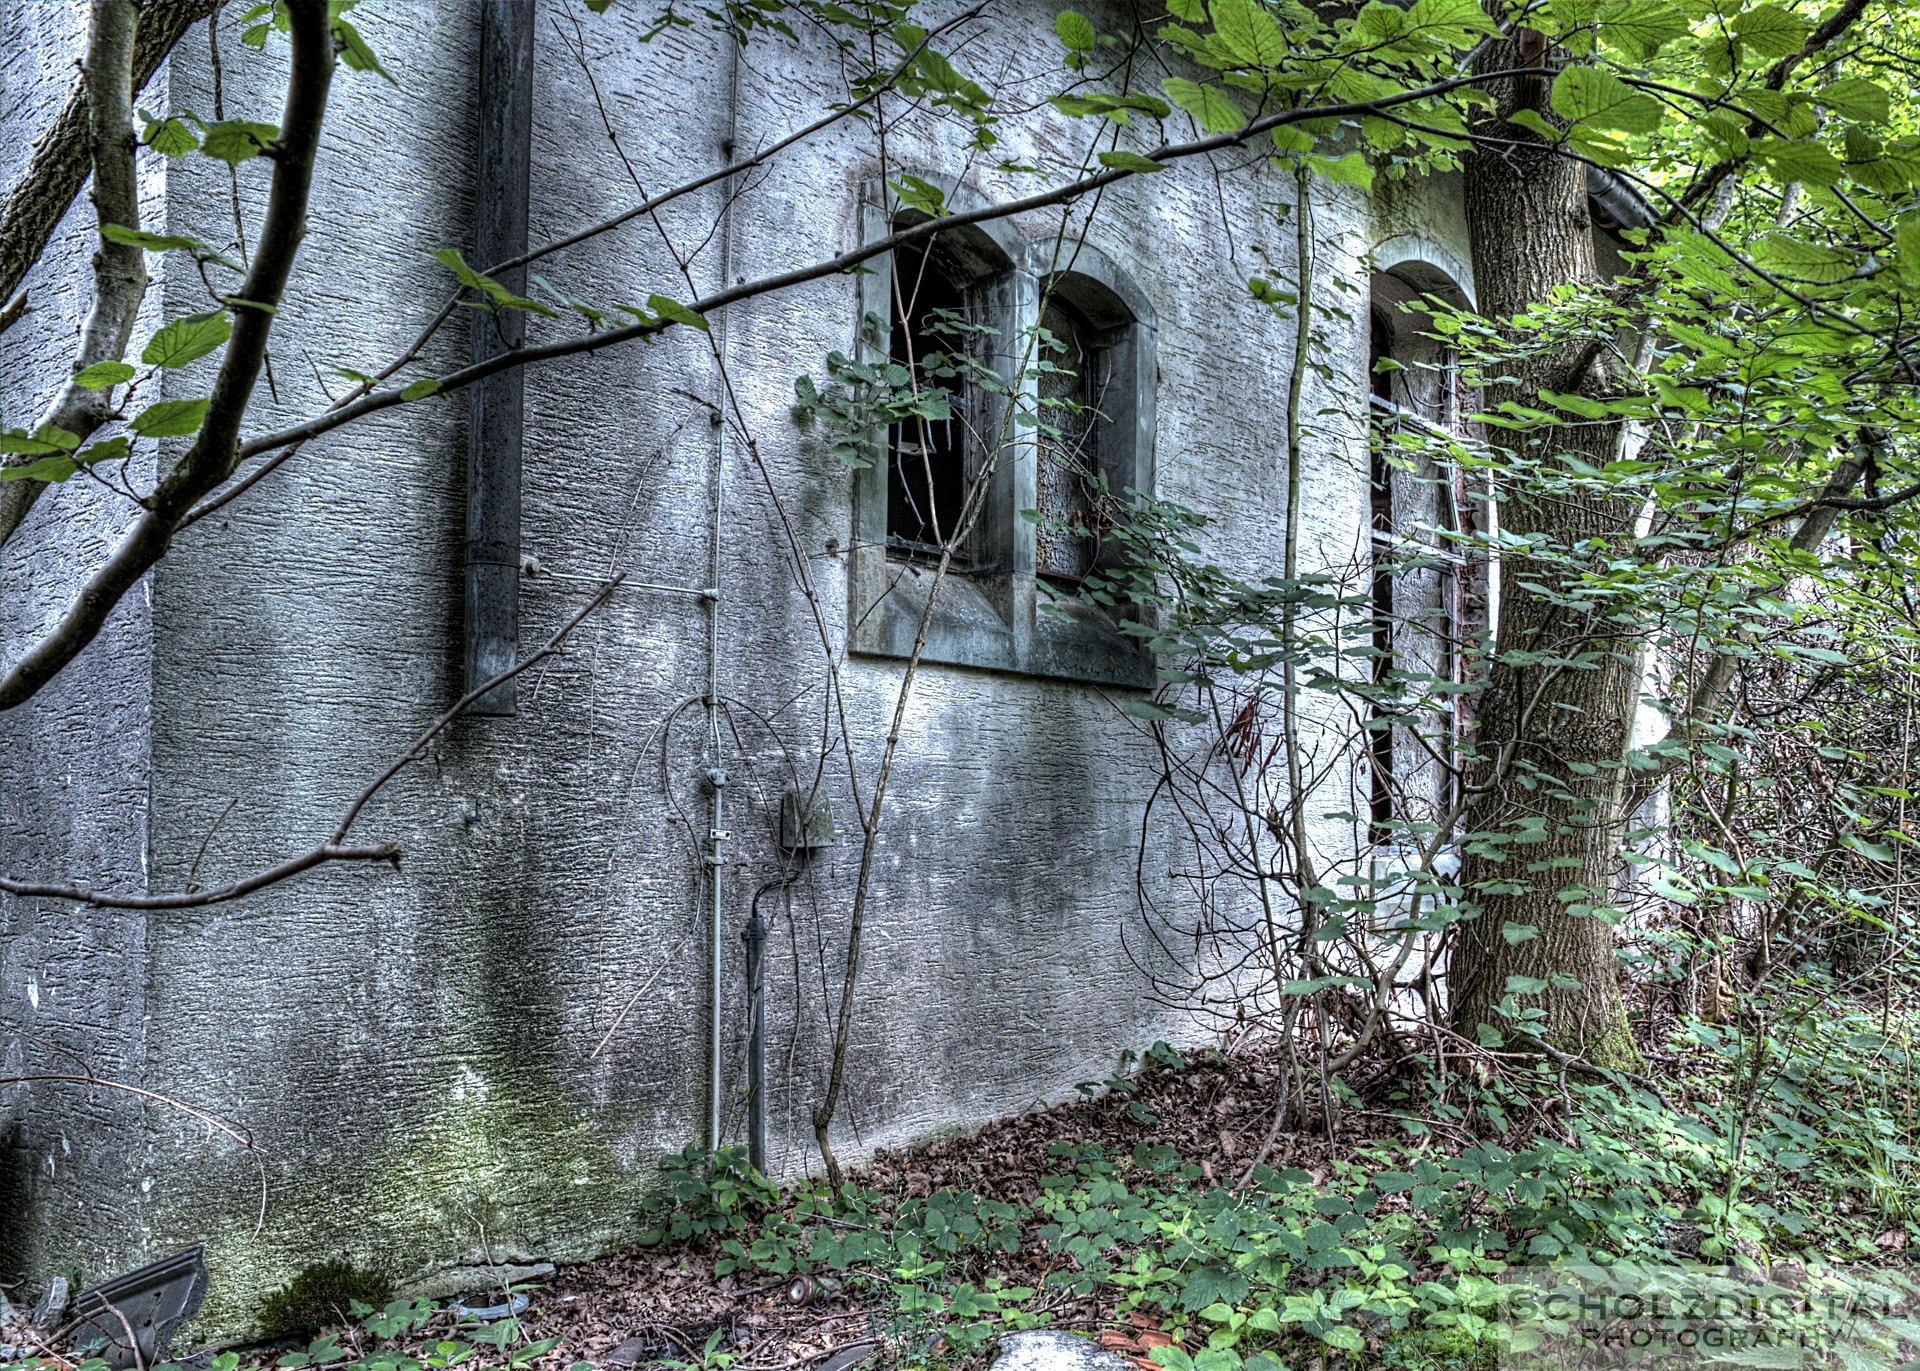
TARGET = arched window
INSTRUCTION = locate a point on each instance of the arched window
(1069, 487)
(1094, 388)
(1428, 596)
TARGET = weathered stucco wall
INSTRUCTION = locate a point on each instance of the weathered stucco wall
(419, 1053)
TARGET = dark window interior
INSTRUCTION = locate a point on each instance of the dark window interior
(1380, 492)
(1068, 486)
(1379, 345)
(927, 458)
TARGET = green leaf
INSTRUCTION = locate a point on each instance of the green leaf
(580, 307)
(52, 470)
(1351, 170)
(1587, 95)
(1190, 10)
(237, 140)
(498, 296)
(1382, 135)
(1291, 140)
(1876, 852)
(170, 418)
(918, 193)
(186, 338)
(1457, 23)
(354, 52)
(1770, 31)
(103, 374)
(1804, 261)
(674, 310)
(1806, 162)
(1208, 105)
(1906, 247)
(169, 137)
(152, 242)
(1858, 99)
(1525, 985)
(1250, 33)
(1212, 1285)
(1344, 1338)
(18, 442)
(1131, 161)
(421, 389)
(58, 467)
(1515, 934)
(1076, 31)
(1640, 28)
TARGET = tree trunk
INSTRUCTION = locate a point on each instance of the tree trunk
(1551, 738)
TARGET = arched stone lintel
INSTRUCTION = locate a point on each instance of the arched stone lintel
(1426, 266)
(1086, 274)
(998, 236)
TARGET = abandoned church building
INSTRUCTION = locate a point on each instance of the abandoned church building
(480, 1052)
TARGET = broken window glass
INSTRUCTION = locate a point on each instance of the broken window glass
(1069, 487)
(928, 457)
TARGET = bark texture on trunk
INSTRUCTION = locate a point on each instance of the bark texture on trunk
(1552, 738)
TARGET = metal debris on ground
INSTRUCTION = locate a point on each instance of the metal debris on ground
(51, 1312)
(131, 1319)
(632, 1352)
(486, 1313)
(849, 1357)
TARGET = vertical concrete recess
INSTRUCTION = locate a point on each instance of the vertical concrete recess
(485, 1053)
(507, 29)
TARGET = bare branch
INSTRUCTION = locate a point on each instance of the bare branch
(646, 207)
(214, 457)
(847, 261)
(335, 848)
(212, 1122)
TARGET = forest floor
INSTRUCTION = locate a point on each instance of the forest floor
(662, 1304)
(1164, 1217)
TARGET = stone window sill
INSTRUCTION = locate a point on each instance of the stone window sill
(998, 623)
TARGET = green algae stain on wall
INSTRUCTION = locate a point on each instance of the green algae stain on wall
(505, 1167)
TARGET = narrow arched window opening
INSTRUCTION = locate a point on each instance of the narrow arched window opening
(928, 453)
(1071, 482)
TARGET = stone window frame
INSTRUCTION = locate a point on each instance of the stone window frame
(997, 614)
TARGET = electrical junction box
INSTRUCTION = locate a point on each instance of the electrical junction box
(806, 821)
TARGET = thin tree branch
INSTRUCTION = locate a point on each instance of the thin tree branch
(335, 848)
(648, 206)
(212, 1122)
(1708, 181)
(846, 261)
(214, 457)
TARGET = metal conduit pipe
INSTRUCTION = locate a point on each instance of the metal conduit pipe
(755, 937)
(716, 774)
